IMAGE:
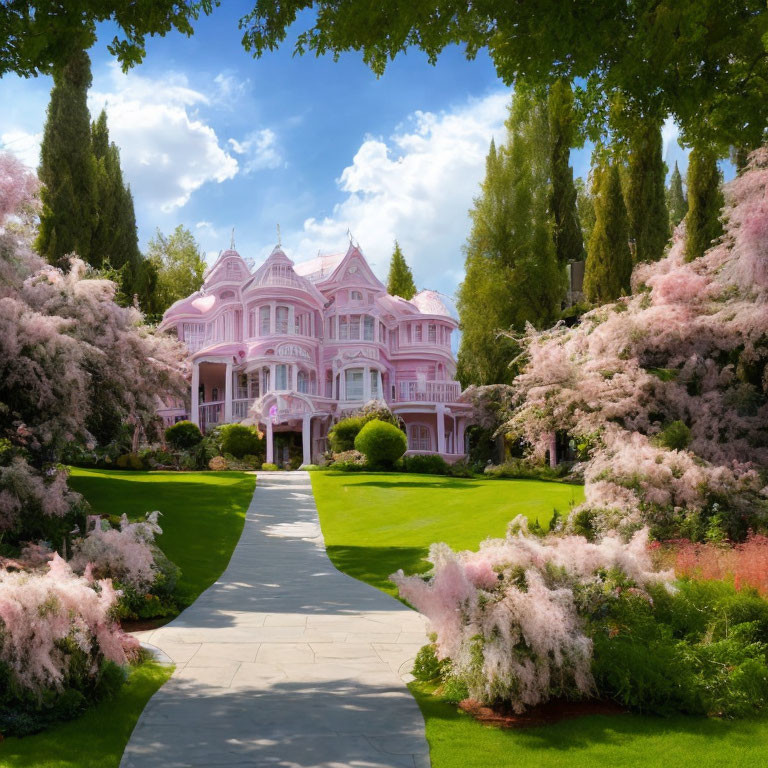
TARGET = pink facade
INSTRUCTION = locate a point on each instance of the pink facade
(294, 348)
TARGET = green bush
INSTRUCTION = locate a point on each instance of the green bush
(426, 666)
(381, 443)
(676, 436)
(183, 435)
(269, 467)
(240, 440)
(426, 464)
(460, 469)
(129, 461)
(342, 436)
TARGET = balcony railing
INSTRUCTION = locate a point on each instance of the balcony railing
(428, 391)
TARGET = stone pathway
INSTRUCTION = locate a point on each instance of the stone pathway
(285, 662)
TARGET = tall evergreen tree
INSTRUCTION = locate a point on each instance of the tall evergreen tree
(400, 280)
(646, 192)
(585, 207)
(705, 201)
(677, 203)
(569, 245)
(512, 272)
(608, 269)
(67, 166)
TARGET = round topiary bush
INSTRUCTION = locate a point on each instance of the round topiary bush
(343, 434)
(183, 435)
(239, 440)
(381, 443)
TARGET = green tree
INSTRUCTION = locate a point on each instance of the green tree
(585, 207)
(677, 202)
(608, 269)
(400, 280)
(705, 201)
(569, 245)
(67, 167)
(645, 192)
(512, 272)
(115, 240)
(179, 267)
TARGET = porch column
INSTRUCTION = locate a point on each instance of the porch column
(228, 394)
(306, 438)
(270, 443)
(195, 399)
(441, 429)
(272, 380)
(460, 447)
(294, 385)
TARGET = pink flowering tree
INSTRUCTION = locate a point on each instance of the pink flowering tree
(669, 386)
(74, 366)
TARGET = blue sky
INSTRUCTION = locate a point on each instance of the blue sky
(213, 139)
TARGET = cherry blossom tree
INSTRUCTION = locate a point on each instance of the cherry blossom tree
(668, 385)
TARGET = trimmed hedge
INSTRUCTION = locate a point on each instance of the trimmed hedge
(381, 443)
(183, 435)
(239, 440)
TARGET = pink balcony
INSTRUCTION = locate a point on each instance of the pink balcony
(428, 391)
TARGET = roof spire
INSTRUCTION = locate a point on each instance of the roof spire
(279, 238)
(232, 240)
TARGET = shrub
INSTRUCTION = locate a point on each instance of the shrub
(342, 436)
(218, 464)
(676, 436)
(269, 467)
(240, 440)
(183, 435)
(526, 469)
(426, 464)
(460, 469)
(129, 461)
(57, 639)
(381, 443)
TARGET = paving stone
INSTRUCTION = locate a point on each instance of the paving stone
(285, 661)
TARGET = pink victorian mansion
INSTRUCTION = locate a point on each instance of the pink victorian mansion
(294, 348)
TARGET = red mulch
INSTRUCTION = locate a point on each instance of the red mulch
(553, 711)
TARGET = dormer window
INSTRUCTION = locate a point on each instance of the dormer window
(356, 296)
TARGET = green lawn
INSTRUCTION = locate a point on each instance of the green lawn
(203, 514)
(95, 740)
(376, 523)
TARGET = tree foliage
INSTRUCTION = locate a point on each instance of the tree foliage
(36, 37)
(714, 47)
(677, 202)
(608, 268)
(646, 194)
(569, 245)
(179, 266)
(512, 273)
(400, 279)
(705, 202)
(67, 167)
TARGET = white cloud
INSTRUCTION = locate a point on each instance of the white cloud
(259, 150)
(25, 145)
(416, 187)
(167, 149)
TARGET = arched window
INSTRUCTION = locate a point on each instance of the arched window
(419, 437)
(281, 320)
(356, 296)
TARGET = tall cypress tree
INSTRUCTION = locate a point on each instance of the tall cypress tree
(400, 280)
(677, 203)
(705, 201)
(608, 269)
(512, 272)
(569, 245)
(646, 191)
(67, 166)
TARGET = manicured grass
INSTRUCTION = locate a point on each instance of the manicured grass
(95, 740)
(375, 523)
(203, 514)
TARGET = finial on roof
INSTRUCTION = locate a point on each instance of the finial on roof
(232, 240)
(279, 238)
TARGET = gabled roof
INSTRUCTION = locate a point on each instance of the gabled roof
(215, 273)
(354, 268)
(321, 267)
(278, 271)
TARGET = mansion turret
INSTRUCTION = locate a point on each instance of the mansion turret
(295, 347)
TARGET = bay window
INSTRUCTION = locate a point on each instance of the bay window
(354, 383)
